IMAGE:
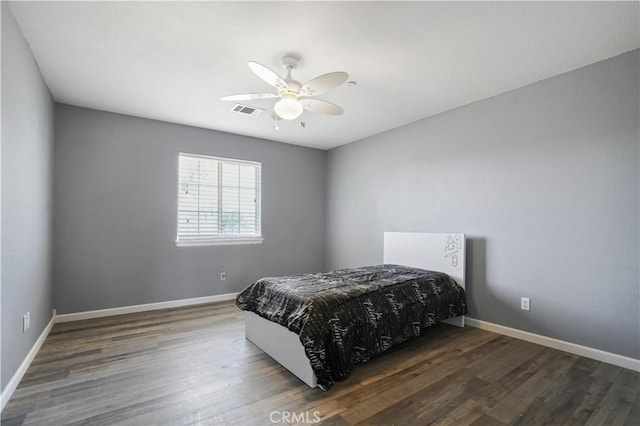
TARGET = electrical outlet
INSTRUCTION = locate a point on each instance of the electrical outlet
(25, 323)
(223, 276)
(525, 304)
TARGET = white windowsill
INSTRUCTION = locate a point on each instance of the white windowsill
(219, 242)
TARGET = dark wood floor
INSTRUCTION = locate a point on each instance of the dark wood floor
(193, 366)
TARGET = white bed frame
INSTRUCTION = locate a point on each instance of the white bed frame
(436, 252)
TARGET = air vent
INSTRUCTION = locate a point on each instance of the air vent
(247, 110)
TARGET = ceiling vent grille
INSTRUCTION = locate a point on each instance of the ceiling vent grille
(247, 110)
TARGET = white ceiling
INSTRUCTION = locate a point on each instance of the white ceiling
(173, 61)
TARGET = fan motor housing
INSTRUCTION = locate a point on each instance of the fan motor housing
(290, 61)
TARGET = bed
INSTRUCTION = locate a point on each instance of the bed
(319, 326)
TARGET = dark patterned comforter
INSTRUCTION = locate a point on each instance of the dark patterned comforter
(347, 316)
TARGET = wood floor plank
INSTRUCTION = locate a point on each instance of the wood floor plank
(465, 413)
(505, 360)
(193, 365)
(634, 414)
(560, 399)
(430, 403)
(618, 403)
(363, 402)
(516, 402)
(591, 399)
(486, 420)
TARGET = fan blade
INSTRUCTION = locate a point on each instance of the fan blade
(321, 107)
(323, 83)
(267, 75)
(249, 97)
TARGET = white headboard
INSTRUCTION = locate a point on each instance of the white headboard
(436, 252)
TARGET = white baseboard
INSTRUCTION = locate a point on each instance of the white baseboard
(597, 354)
(15, 380)
(142, 308)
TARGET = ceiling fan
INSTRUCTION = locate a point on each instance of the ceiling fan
(294, 97)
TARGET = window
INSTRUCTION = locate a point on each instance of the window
(218, 201)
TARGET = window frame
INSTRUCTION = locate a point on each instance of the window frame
(221, 239)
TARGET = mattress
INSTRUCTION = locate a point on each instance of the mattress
(347, 316)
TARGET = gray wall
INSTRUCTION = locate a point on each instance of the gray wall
(544, 181)
(27, 159)
(115, 212)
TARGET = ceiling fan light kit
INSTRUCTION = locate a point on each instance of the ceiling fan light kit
(294, 97)
(288, 107)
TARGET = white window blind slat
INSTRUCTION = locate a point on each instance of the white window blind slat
(218, 198)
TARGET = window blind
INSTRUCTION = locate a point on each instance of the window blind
(218, 198)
